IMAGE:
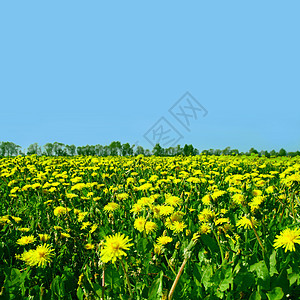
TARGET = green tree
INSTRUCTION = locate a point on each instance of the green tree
(282, 152)
(49, 147)
(126, 149)
(157, 150)
(34, 149)
(71, 150)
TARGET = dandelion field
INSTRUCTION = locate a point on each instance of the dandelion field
(201, 227)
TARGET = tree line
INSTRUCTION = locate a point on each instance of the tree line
(116, 148)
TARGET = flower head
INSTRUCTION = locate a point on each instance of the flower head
(245, 222)
(287, 239)
(114, 247)
(163, 240)
(24, 240)
(150, 226)
(139, 224)
(44, 237)
(60, 210)
(41, 255)
(111, 206)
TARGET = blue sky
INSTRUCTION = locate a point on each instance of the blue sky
(92, 72)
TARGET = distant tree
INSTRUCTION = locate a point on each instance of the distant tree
(253, 151)
(157, 150)
(126, 149)
(217, 152)
(273, 153)
(49, 147)
(234, 152)
(189, 150)
(282, 152)
(34, 149)
(226, 151)
(139, 150)
(9, 149)
(147, 152)
(178, 150)
(58, 148)
(115, 148)
(106, 150)
(293, 154)
(71, 150)
(264, 153)
(99, 150)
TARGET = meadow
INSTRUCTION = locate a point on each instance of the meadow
(194, 227)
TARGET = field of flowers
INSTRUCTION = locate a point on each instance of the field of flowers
(201, 227)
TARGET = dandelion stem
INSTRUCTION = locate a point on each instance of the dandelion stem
(221, 250)
(169, 264)
(187, 255)
(127, 279)
(177, 278)
(257, 237)
(103, 283)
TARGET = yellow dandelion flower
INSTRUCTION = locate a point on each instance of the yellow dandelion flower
(157, 249)
(81, 216)
(221, 221)
(287, 239)
(114, 247)
(24, 229)
(41, 255)
(173, 200)
(205, 215)
(193, 180)
(238, 198)
(245, 222)
(217, 194)
(111, 206)
(44, 237)
(206, 200)
(16, 219)
(139, 224)
(26, 240)
(93, 228)
(136, 208)
(166, 210)
(85, 225)
(122, 196)
(65, 235)
(150, 226)
(71, 195)
(26, 257)
(163, 240)
(205, 228)
(60, 210)
(89, 246)
(178, 226)
(57, 227)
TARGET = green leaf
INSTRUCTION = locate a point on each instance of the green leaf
(210, 243)
(207, 273)
(244, 281)
(80, 293)
(273, 263)
(156, 289)
(263, 277)
(255, 296)
(142, 245)
(227, 281)
(275, 294)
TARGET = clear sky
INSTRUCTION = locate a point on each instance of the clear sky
(93, 72)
